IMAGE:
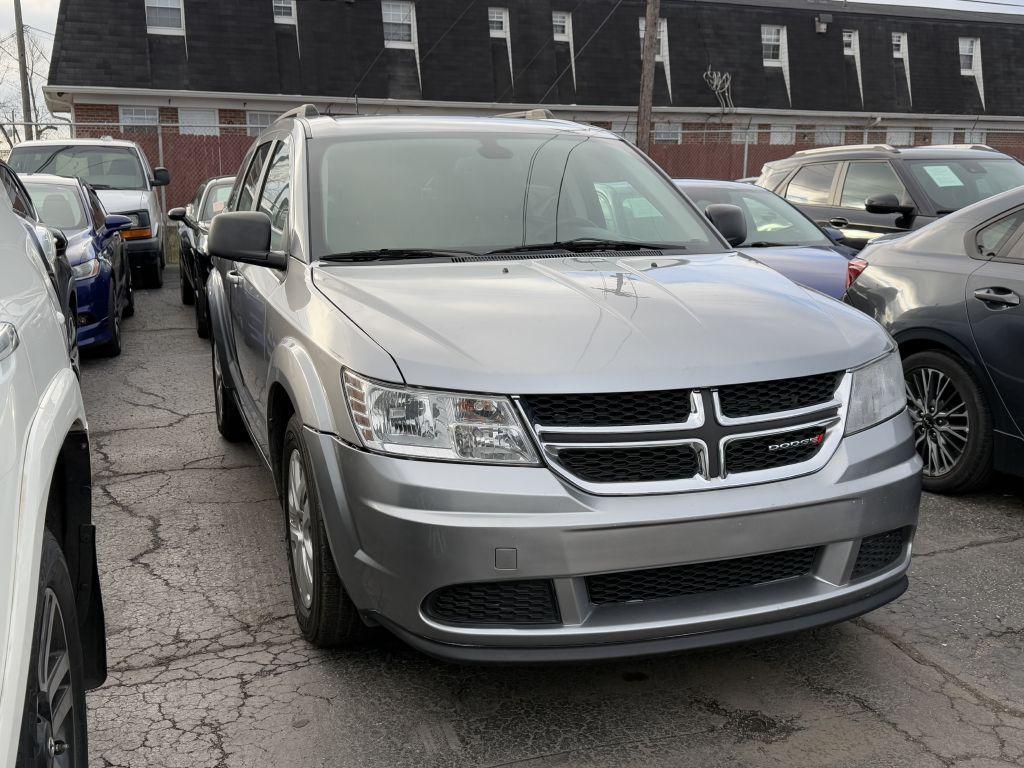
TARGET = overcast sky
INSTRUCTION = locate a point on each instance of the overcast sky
(42, 14)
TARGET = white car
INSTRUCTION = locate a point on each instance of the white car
(52, 637)
(121, 175)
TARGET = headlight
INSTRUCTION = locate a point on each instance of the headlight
(878, 393)
(136, 219)
(86, 269)
(436, 425)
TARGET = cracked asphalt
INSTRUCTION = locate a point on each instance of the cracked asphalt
(207, 668)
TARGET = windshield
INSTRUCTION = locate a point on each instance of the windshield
(770, 219)
(58, 206)
(102, 167)
(955, 184)
(489, 191)
(216, 198)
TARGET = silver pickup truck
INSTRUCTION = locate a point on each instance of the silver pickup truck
(522, 402)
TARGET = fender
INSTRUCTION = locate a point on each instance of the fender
(220, 324)
(293, 368)
(60, 411)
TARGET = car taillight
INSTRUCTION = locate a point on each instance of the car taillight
(854, 270)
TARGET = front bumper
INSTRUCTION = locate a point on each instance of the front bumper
(145, 252)
(401, 529)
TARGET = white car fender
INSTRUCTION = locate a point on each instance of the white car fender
(60, 411)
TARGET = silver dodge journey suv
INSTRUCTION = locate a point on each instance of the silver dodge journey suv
(522, 402)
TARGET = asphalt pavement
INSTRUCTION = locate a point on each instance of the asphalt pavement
(207, 669)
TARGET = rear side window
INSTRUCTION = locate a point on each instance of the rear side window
(993, 238)
(812, 184)
(866, 180)
(250, 184)
(276, 194)
(17, 198)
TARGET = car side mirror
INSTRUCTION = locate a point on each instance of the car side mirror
(244, 236)
(161, 177)
(116, 223)
(181, 215)
(729, 221)
(833, 234)
(887, 203)
(60, 240)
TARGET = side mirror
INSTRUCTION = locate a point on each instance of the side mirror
(729, 221)
(116, 223)
(244, 236)
(835, 235)
(161, 177)
(60, 241)
(885, 203)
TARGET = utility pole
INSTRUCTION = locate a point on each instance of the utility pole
(652, 42)
(26, 94)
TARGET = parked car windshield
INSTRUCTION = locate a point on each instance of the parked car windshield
(770, 219)
(58, 205)
(955, 184)
(216, 198)
(488, 191)
(101, 167)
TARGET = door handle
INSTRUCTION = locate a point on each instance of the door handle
(1003, 296)
(839, 222)
(234, 277)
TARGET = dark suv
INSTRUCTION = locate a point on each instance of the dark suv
(876, 189)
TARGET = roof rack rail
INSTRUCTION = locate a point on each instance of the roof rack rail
(530, 114)
(847, 148)
(308, 111)
(983, 147)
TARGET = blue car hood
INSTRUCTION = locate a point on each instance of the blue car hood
(813, 266)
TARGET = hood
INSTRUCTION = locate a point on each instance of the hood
(594, 323)
(124, 200)
(817, 267)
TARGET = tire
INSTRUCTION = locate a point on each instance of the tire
(129, 304)
(952, 422)
(56, 623)
(113, 347)
(326, 615)
(229, 419)
(202, 317)
(188, 293)
(74, 353)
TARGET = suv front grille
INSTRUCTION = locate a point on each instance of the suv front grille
(743, 400)
(609, 409)
(878, 552)
(690, 439)
(699, 578)
(494, 602)
(631, 465)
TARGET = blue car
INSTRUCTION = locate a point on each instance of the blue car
(96, 252)
(779, 235)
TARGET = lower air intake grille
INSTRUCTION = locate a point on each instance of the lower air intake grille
(698, 578)
(772, 451)
(631, 465)
(742, 400)
(494, 602)
(878, 552)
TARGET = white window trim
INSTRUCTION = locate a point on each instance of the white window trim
(942, 135)
(566, 37)
(855, 53)
(826, 135)
(895, 136)
(975, 71)
(783, 61)
(198, 129)
(661, 56)
(252, 125)
(505, 33)
(904, 56)
(293, 19)
(667, 133)
(408, 45)
(174, 31)
(782, 134)
(743, 134)
(132, 121)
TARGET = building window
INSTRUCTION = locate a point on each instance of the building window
(974, 136)
(744, 134)
(899, 137)
(899, 45)
(851, 48)
(667, 133)
(258, 122)
(198, 122)
(828, 135)
(284, 11)
(849, 41)
(661, 52)
(968, 51)
(942, 136)
(561, 22)
(772, 43)
(783, 134)
(399, 23)
(165, 17)
(139, 119)
(497, 21)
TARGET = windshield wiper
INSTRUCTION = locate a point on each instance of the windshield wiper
(762, 244)
(394, 254)
(586, 244)
(99, 186)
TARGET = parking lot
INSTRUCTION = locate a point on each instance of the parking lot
(207, 668)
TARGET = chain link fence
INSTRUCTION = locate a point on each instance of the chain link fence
(685, 150)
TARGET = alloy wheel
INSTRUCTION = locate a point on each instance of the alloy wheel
(55, 737)
(940, 417)
(74, 353)
(300, 528)
(218, 387)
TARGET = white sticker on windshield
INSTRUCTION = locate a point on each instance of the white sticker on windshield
(943, 176)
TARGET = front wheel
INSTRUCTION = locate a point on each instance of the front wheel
(952, 422)
(326, 615)
(188, 293)
(54, 729)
